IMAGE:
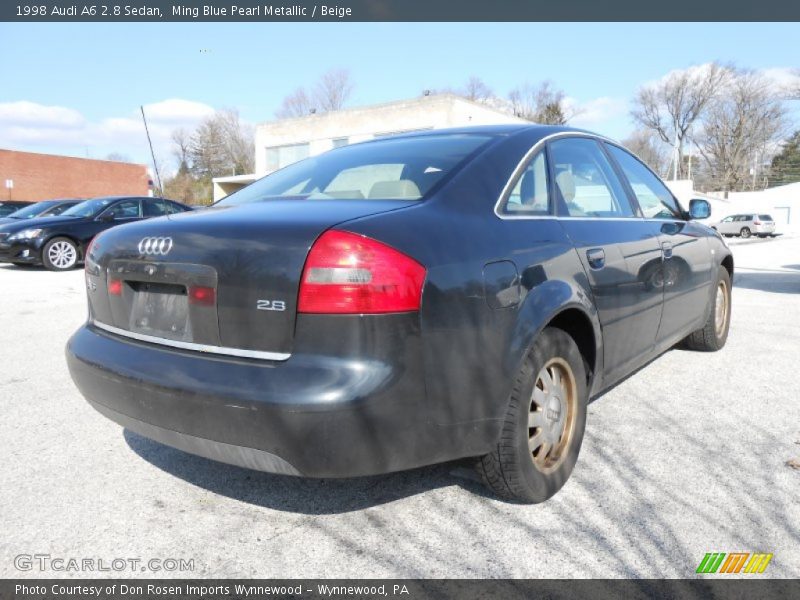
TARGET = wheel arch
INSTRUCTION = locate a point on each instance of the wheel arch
(565, 306)
(727, 262)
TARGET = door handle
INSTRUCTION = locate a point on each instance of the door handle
(666, 248)
(596, 258)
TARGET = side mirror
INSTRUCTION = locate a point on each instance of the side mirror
(106, 217)
(699, 209)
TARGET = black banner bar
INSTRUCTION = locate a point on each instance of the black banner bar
(109, 11)
(436, 589)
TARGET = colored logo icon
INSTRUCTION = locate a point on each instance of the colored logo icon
(735, 562)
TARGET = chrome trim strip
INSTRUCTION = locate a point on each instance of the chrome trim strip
(524, 161)
(205, 348)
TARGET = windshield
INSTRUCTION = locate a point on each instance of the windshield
(31, 211)
(390, 169)
(88, 208)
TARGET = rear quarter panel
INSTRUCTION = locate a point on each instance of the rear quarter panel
(471, 351)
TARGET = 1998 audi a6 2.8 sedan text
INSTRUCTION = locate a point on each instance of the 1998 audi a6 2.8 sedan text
(402, 302)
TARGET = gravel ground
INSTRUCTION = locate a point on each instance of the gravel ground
(688, 456)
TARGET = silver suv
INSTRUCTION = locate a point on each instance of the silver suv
(745, 225)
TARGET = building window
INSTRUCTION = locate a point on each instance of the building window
(281, 156)
(339, 142)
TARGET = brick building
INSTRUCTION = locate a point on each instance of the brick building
(43, 176)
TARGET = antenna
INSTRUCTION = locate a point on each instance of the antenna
(153, 154)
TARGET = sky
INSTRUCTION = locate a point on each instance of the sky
(76, 88)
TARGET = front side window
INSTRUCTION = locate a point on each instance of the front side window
(585, 182)
(400, 168)
(127, 209)
(529, 195)
(655, 199)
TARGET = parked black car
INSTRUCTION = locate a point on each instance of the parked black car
(45, 208)
(59, 243)
(9, 206)
(402, 302)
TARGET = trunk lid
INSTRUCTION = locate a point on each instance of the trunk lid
(222, 279)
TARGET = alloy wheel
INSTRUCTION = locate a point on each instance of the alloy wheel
(62, 255)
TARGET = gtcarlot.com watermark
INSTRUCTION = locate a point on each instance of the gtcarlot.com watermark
(48, 562)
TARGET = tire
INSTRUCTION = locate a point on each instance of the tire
(532, 474)
(713, 335)
(745, 232)
(60, 254)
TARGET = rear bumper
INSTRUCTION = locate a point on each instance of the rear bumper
(311, 415)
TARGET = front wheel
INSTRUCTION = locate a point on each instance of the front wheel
(544, 423)
(745, 232)
(713, 335)
(60, 254)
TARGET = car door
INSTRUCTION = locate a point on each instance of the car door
(688, 257)
(620, 251)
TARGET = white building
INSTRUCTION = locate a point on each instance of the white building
(280, 143)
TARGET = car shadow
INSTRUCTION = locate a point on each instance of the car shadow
(22, 268)
(298, 494)
(766, 280)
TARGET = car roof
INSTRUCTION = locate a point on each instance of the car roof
(532, 132)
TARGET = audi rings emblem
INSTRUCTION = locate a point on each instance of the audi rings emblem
(155, 246)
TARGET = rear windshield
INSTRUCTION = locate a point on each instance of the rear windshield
(31, 211)
(391, 169)
(765, 217)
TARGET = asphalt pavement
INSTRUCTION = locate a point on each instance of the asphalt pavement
(690, 455)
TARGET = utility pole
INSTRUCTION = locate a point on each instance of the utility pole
(153, 154)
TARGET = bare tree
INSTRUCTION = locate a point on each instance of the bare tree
(671, 106)
(118, 157)
(476, 90)
(741, 130)
(542, 103)
(181, 141)
(331, 92)
(296, 104)
(648, 146)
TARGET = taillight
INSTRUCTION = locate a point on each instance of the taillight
(757, 222)
(115, 287)
(346, 273)
(204, 296)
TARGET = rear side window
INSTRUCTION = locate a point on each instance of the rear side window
(392, 168)
(765, 217)
(529, 196)
(655, 199)
(154, 208)
(585, 182)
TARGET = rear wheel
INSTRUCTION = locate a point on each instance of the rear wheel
(60, 254)
(544, 424)
(714, 333)
(745, 232)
